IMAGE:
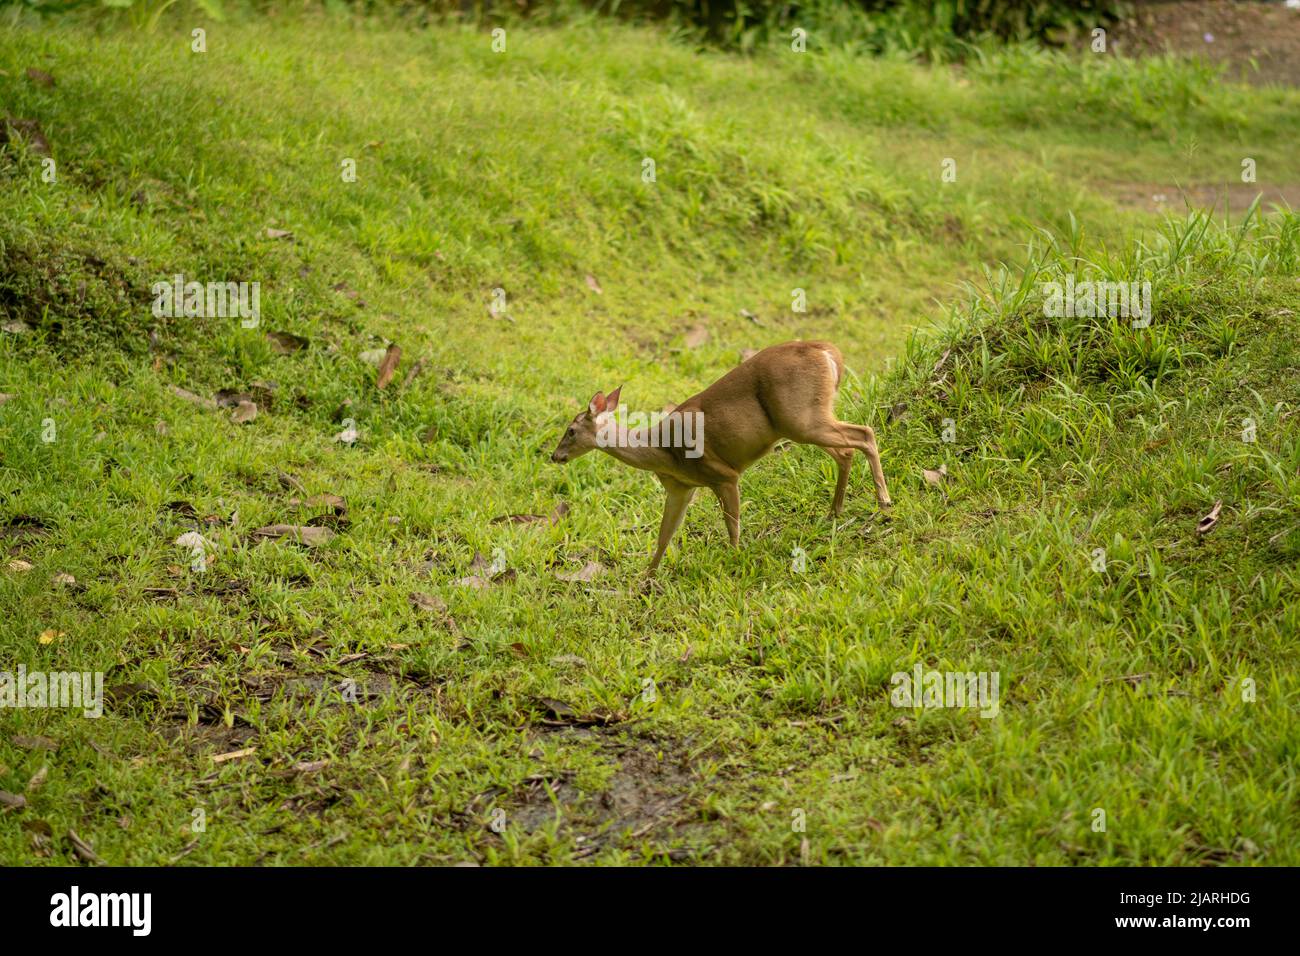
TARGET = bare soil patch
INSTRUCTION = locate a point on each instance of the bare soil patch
(1258, 42)
(649, 795)
(1233, 198)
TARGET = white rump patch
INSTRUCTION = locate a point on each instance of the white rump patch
(835, 372)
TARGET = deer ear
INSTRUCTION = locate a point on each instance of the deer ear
(597, 404)
(611, 400)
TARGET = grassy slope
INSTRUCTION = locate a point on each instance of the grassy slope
(522, 171)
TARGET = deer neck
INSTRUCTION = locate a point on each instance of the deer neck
(638, 452)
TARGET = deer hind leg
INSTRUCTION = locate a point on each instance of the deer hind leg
(679, 496)
(844, 458)
(729, 498)
(836, 434)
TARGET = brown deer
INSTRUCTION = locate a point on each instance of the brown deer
(786, 391)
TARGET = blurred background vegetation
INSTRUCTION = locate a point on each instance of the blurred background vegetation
(932, 29)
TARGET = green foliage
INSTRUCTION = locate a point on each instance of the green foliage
(937, 31)
(142, 14)
(1122, 688)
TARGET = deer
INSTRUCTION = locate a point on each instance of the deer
(785, 392)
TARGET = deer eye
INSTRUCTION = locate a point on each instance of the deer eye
(570, 431)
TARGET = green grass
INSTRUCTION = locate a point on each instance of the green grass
(1121, 690)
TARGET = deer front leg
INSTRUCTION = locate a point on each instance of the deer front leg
(729, 498)
(679, 496)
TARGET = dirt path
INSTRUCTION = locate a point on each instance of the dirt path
(1259, 41)
(1234, 197)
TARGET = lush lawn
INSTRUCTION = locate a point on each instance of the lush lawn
(701, 718)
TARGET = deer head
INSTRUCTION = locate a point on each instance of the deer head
(580, 437)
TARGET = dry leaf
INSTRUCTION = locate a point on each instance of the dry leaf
(345, 290)
(185, 851)
(517, 519)
(427, 602)
(30, 130)
(302, 534)
(569, 660)
(193, 541)
(234, 755)
(286, 342)
(279, 234)
(38, 778)
(244, 413)
(36, 742)
(183, 508)
(336, 502)
(560, 713)
(415, 370)
(1210, 520)
(590, 571)
(18, 564)
(312, 766)
(935, 478)
(83, 848)
(39, 76)
(433, 605)
(65, 579)
(348, 436)
(50, 636)
(388, 366)
(594, 286)
(191, 397)
(486, 575)
(290, 482)
(696, 337)
(40, 833)
(15, 801)
(559, 512)
(557, 708)
(230, 398)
